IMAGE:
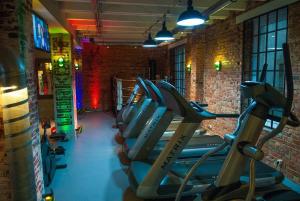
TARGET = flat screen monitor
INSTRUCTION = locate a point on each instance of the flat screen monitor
(40, 33)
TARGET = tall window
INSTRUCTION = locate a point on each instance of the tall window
(178, 63)
(267, 33)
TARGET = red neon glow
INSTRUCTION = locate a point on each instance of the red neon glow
(83, 24)
(91, 68)
(95, 92)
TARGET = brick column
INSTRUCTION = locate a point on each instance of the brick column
(16, 33)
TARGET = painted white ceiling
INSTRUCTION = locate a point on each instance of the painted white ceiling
(127, 21)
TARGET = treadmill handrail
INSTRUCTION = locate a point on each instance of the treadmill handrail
(158, 96)
(132, 95)
(220, 115)
(186, 109)
(143, 86)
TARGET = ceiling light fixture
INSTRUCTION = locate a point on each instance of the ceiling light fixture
(164, 34)
(149, 42)
(190, 17)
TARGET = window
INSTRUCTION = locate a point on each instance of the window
(267, 33)
(178, 63)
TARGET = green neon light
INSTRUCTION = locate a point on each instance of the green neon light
(189, 68)
(218, 65)
(61, 62)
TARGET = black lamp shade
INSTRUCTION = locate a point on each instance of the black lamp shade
(164, 34)
(149, 42)
(190, 17)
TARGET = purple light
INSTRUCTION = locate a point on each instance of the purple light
(85, 40)
(78, 47)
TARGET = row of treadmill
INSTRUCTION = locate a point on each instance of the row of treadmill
(168, 156)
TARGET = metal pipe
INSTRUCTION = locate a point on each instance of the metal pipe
(16, 130)
(217, 6)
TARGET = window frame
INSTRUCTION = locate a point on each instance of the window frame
(248, 53)
(178, 62)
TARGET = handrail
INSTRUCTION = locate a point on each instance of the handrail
(122, 89)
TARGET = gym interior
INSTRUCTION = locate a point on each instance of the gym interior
(132, 100)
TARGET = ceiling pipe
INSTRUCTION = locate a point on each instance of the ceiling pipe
(217, 7)
(115, 43)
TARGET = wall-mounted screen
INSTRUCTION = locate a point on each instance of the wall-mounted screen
(40, 33)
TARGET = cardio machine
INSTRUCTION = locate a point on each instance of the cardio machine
(246, 143)
(130, 108)
(136, 115)
(136, 123)
(162, 178)
(149, 143)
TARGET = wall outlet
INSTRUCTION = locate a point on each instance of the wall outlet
(278, 164)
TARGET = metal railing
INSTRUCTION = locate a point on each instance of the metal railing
(122, 89)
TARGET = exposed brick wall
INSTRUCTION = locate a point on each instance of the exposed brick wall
(195, 49)
(224, 41)
(221, 88)
(33, 99)
(101, 63)
(8, 35)
(16, 33)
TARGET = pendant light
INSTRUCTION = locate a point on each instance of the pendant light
(149, 42)
(164, 34)
(190, 17)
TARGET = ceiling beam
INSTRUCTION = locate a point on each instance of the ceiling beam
(157, 15)
(128, 20)
(80, 15)
(146, 6)
(203, 4)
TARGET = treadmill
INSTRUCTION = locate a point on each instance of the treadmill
(162, 178)
(143, 113)
(129, 109)
(137, 115)
(149, 143)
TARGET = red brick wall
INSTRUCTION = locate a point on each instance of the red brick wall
(224, 41)
(221, 88)
(16, 33)
(8, 20)
(195, 50)
(101, 63)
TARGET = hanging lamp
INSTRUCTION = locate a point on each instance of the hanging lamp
(190, 17)
(164, 34)
(149, 42)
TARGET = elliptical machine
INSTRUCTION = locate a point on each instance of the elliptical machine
(246, 143)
